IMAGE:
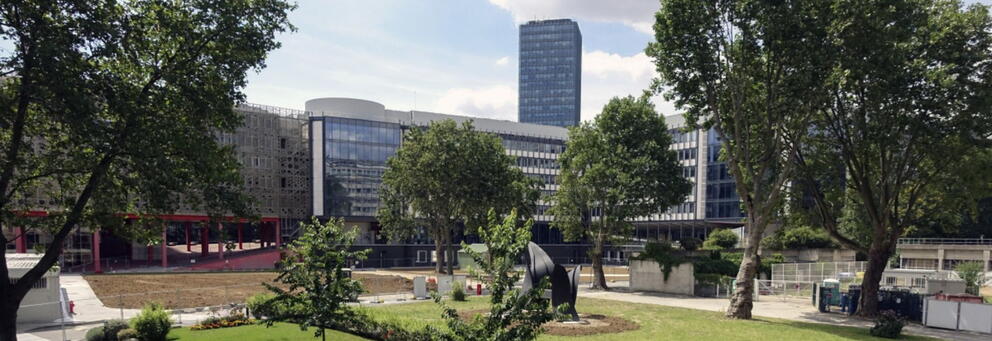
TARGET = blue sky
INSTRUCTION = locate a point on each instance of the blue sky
(445, 55)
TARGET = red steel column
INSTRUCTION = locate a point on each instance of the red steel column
(278, 235)
(22, 240)
(165, 245)
(96, 252)
(189, 243)
(240, 233)
(220, 240)
(204, 240)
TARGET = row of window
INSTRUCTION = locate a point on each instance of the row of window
(726, 209)
(686, 207)
(718, 172)
(342, 129)
(678, 136)
(537, 163)
(546, 179)
(721, 191)
(541, 85)
(689, 171)
(530, 41)
(686, 154)
(532, 144)
(547, 60)
(557, 49)
(546, 100)
(561, 93)
(545, 76)
(552, 111)
(358, 151)
(532, 69)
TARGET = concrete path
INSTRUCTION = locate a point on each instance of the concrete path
(796, 310)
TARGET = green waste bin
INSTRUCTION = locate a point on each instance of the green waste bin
(830, 291)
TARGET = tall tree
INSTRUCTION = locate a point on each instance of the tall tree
(615, 169)
(446, 176)
(744, 68)
(104, 103)
(909, 92)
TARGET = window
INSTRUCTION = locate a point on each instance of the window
(282, 143)
(282, 182)
(422, 256)
(890, 280)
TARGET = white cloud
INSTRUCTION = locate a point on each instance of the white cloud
(606, 75)
(503, 61)
(638, 14)
(497, 102)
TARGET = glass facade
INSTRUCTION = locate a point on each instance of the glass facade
(550, 79)
(722, 201)
(355, 153)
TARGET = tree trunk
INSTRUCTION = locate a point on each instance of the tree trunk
(8, 320)
(599, 278)
(439, 254)
(742, 300)
(878, 258)
(451, 252)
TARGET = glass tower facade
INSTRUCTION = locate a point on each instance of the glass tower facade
(355, 153)
(550, 80)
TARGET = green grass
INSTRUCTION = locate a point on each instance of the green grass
(278, 332)
(657, 322)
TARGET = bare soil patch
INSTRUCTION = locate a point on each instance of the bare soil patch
(189, 290)
(590, 324)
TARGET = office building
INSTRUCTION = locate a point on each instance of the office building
(352, 138)
(550, 79)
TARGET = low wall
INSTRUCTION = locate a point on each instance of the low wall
(646, 275)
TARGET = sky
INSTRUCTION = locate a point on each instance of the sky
(448, 56)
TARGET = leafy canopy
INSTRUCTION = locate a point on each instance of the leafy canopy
(318, 285)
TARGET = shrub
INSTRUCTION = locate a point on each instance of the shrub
(458, 291)
(691, 243)
(153, 323)
(662, 253)
(95, 334)
(801, 237)
(971, 273)
(112, 327)
(210, 320)
(720, 239)
(258, 304)
(888, 325)
(127, 334)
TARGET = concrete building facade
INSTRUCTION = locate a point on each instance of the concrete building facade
(943, 253)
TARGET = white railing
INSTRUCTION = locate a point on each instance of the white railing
(944, 241)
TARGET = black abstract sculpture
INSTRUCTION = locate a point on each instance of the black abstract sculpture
(564, 284)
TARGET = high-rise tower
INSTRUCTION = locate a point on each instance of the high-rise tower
(550, 81)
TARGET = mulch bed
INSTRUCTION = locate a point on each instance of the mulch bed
(596, 324)
(190, 290)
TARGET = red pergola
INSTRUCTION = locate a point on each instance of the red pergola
(21, 242)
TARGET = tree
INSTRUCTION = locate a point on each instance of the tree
(909, 101)
(513, 315)
(971, 273)
(746, 69)
(720, 239)
(317, 285)
(105, 103)
(615, 169)
(447, 176)
(798, 238)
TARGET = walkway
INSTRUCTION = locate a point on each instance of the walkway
(770, 307)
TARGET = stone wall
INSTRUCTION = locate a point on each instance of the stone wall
(646, 275)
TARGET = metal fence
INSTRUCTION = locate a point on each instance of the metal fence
(785, 289)
(945, 241)
(816, 272)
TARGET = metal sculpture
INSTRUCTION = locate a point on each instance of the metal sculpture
(564, 284)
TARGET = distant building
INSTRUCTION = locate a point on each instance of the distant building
(352, 138)
(713, 201)
(943, 253)
(550, 80)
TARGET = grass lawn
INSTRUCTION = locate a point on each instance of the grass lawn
(656, 323)
(278, 332)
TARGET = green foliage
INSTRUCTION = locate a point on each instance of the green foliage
(127, 334)
(449, 174)
(972, 273)
(664, 254)
(690, 243)
(153, 323)
(257, 304)
(95, 334)
(620, 167)
(513, 315)
(113, 106)
(112, 327)
(888, 324)
(318, 288)
(458, 291)
(720, 239)
(747, 70)
(798, 238)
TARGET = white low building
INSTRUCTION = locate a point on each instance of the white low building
(44, 302)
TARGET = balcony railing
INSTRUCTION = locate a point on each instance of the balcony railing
(945, 241)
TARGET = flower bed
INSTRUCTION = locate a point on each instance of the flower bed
(213, 322)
